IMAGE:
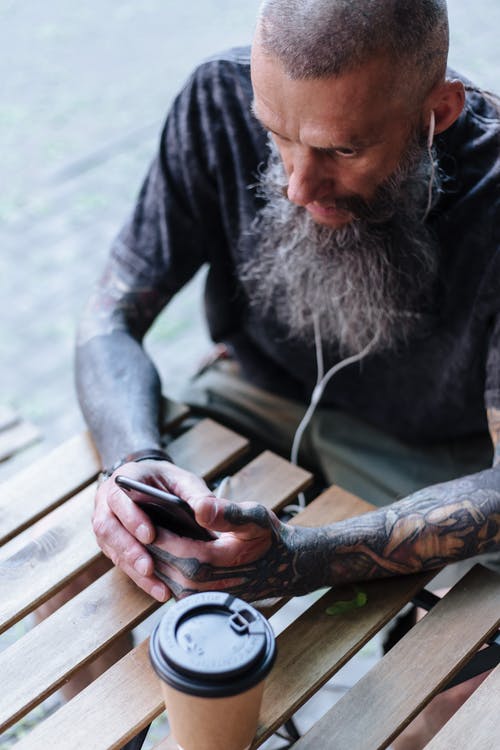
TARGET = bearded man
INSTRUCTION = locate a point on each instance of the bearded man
(342, 187)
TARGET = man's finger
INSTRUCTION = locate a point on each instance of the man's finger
(121, 547)
(150, 584)
(134, 560)
(133, 518)
(185, 484)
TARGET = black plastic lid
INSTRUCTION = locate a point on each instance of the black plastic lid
(212, 644)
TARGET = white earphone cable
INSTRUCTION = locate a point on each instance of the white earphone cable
(321, 383)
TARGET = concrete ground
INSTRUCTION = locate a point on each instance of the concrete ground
(85, 87)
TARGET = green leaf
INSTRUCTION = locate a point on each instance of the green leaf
(338, 608)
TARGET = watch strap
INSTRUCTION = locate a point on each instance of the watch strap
(152, 454)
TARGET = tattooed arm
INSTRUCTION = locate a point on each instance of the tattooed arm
(257, 556)
(117, 384)
(119, 392)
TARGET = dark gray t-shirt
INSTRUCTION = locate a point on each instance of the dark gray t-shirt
(197, 205)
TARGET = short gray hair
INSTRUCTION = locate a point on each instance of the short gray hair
(321, 38)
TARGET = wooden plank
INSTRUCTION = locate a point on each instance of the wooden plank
(416, 668)
(48, 482)
(39, 561)
(62, 543)
(208, 448)
(108, 713)
(334, 504)
(478, 720)
(268, 479)
(20, 435)
(36, 665)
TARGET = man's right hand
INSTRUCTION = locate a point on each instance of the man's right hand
(122, 528)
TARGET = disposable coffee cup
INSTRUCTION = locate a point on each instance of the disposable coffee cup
(212, 653)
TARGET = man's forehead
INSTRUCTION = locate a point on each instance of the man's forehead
(375, 77)
(349, 105)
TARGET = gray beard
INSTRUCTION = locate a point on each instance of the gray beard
(366, 283)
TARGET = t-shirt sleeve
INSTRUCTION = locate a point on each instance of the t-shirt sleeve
(162, 244)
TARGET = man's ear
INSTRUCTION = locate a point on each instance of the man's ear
(447, 101)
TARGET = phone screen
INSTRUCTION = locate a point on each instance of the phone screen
(165, 509)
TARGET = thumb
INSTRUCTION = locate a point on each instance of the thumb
(223, 515)
(206, 510)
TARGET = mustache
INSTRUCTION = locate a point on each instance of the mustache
(370, 211)
(373, 212)
(358, 206)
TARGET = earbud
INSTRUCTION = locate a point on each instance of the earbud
(432, 127)
(430, 139)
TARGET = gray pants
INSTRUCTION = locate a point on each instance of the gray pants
(337, 447)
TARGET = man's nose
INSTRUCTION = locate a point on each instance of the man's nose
(306, 180)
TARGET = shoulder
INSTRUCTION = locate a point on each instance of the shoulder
(214, 109)
(477, 130)
(469, 157)
(224, 76)
(235, 56)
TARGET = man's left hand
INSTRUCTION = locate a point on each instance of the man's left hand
(251, 558)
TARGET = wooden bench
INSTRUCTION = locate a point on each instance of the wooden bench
(47, 541)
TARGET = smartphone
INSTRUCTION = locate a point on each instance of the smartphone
(165, 509)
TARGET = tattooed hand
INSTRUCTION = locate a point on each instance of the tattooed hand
(252, 557)
(255, 555)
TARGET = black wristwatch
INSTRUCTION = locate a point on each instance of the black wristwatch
(153, 454)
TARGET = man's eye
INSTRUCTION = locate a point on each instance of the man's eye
(345, 151)
(342, 151)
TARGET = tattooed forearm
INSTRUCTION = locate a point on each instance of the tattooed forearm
(117, 384)
(494, 427)
(120, 302)
(433, 527)
(441, 524)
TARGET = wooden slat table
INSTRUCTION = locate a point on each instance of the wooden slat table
(47, 542)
